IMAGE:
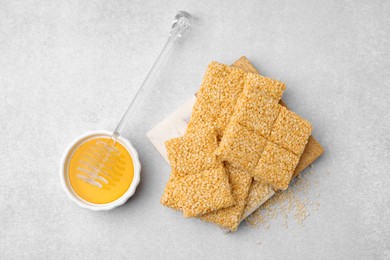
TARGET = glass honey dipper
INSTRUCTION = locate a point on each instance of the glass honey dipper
(102, 162)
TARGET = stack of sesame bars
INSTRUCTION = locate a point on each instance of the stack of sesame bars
(240, 145)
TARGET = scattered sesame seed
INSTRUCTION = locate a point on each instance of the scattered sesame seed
(293, 202)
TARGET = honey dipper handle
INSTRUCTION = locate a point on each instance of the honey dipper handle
(180, 26)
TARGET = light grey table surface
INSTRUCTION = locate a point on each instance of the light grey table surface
(67, 67)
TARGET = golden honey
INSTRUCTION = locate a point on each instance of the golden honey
(119, 178)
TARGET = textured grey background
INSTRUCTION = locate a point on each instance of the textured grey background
(67, 67)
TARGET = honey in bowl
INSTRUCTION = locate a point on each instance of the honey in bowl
(114, 183)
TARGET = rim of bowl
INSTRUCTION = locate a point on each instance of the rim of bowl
(65, 183)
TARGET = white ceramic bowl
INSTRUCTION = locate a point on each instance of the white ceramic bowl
(65, 177)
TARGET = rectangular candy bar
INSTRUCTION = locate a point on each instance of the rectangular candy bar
(230, 218)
